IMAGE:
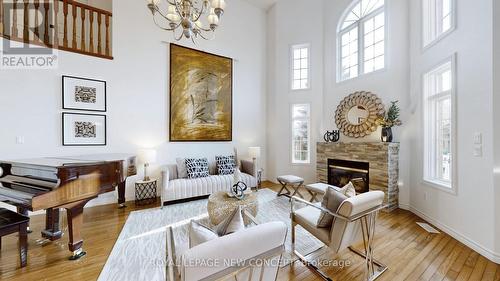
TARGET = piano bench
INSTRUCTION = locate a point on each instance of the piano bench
(12, 222)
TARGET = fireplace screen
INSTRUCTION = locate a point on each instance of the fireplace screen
(341, 172)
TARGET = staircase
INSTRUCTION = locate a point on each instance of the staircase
(58, 24)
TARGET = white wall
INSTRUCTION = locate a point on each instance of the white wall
(287, 31)
(30, 101)
(468, 215)
(496, 122)
(390, 84)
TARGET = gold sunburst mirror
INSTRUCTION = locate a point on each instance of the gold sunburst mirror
(357, 114)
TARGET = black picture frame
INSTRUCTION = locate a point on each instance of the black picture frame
(170, 106)
(64, 141)
(64, 106)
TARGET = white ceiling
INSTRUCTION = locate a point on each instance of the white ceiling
(264, 4)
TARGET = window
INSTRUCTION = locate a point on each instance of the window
(439, 19)
(300, 67)
(439, 130)
(300, 134)
(361, 39)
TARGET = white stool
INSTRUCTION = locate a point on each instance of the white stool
(317, 189)
(290, 181)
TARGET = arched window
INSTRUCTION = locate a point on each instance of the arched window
(361, 39)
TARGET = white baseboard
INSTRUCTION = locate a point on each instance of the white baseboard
(491, 255)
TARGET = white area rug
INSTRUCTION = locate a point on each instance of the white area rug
(140, 251)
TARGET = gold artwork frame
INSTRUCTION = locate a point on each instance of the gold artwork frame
(201, 96)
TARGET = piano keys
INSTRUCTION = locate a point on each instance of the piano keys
(64, 182)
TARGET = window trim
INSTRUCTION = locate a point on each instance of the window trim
(291, 119)
(440, 37)
(361, 40)
(291, 61)
(452, 188)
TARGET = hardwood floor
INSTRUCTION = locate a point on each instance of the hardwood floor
(410, 252)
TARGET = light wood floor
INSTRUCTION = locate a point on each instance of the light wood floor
(410, 252)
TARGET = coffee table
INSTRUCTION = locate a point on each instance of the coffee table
(220, 206)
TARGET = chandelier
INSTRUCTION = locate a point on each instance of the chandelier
(189, 16)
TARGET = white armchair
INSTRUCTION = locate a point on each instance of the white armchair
(252, 254)
(353, 222)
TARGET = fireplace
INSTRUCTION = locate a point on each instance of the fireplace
(341, 172)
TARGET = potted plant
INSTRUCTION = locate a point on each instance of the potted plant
(389, 120)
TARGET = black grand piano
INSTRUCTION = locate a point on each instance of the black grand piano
(64, 182)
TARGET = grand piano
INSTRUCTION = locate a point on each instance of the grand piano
(64, 182)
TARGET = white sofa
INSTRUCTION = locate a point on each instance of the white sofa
(176, 189)
(228, 258)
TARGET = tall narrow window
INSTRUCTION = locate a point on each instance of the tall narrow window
(361, 39)
(438, 19)
(300, 133)
(300, 67)
(439, 130)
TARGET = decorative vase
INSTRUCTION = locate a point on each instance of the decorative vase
(386, 134)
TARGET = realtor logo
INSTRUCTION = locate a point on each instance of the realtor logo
(28, 47)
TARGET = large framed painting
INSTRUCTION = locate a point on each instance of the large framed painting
(84, 94)
(201, 96)
(84, 129)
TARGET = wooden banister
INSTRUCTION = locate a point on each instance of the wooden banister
(41, 24)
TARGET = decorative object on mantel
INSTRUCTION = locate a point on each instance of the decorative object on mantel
(201, 96)
(83, 94)
(333, 136)
(187, 16)
(357, 114)
(390, 120)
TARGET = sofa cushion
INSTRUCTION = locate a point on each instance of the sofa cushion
(197, 168)
(225, 164)
(331, 201)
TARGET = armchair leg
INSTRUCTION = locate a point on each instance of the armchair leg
(312, 266)
(381, 267)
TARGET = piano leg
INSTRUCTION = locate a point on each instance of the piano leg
(52, 231)
(121, 195)
(23, 211)
(75, 222)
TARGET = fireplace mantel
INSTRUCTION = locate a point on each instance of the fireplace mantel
(382, 157)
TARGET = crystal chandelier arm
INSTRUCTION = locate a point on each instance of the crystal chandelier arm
(165, 28)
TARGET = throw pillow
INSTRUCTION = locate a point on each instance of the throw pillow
(348, 190)
(197, 168)
(181, 168)
(199, 233)
(331, 201)
(225, 164)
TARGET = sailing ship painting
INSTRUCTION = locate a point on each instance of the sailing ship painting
(200, 96)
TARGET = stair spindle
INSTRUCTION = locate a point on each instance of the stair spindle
(73, 42)
(99, 33)
(37, 29)
(46, 7)
(91, 41)
(56, 25)
(82, 44)
(14, 31)
(1, 17)
(107, 35)
(65, 10)
(26, 27)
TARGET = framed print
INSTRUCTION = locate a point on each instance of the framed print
(201, 96)
(83, 94)
(83, 129)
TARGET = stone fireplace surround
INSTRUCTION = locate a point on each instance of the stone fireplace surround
(383, 159)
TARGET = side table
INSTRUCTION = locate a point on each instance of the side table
(145, 192)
